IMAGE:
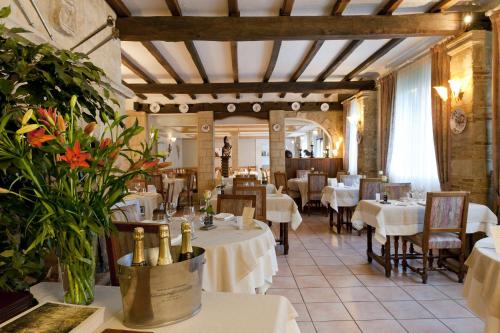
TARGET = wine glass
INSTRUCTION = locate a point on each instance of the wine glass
(189, 214)
(170, 209)
(137, 187)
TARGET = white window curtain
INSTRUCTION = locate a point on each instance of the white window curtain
(411, 151)
(353, 113)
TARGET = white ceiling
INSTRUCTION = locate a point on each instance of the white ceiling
(253, 57)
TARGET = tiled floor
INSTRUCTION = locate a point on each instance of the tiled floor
(334, 289)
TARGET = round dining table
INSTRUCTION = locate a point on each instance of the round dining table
(482, 283)
(149, 200)
(239, 261)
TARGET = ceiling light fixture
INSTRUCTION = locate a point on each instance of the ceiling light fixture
(442, 91)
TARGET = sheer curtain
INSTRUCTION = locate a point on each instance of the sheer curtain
(412, 155)
(353, 113)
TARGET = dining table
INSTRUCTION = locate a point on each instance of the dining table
(220, 312)
(179, 186)
(228, 189)
(339, 198)
(237, 260)
(148, 201)
(482, 283)
(397, 218)
(301, 185)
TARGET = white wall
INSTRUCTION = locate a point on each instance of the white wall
(246, 152)
(261, 145)
(189, 153)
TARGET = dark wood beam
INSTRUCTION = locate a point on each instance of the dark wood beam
(138, 95)
(179, 28)
(234, 12)
(119, 8)
(241, 108)
(164, 63)
(389, 7)
(442, 6)
(127, 62)
(176, 12)
(252, 87)
(285, 10)
(339, 7)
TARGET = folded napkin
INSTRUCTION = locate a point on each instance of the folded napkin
(278, 192)
(224, 216)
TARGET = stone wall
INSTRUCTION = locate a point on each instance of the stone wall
(367, 148)
(206, 151)
(470, 151)
(69, 21)
(277, 142)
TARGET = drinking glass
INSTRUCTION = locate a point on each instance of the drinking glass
(189, 214)
(170, 209)
(137, 187)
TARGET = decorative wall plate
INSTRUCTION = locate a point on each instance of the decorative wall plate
(205, 128)
(324, 107)
(295, 106)
(154, 107)
(458, 121)
(231, 107)
(183, 108)
(276, 127)
(256, 107)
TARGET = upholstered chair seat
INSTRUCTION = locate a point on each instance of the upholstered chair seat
(438, 240)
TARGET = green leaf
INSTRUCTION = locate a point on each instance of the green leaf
(4, 12)
(18, 30)
(7, 253)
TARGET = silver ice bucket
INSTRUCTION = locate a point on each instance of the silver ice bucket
(155, 296)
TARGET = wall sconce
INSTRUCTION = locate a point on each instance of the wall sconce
(171, 141)
(456, 88)
(442, 91)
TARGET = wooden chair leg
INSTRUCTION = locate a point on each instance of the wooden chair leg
(431, 259)
(396, 250)
(339, 221)
(387, 256)
(425, 257)
(330, 210)
(285, 237)
(461, 268)
(404, 262)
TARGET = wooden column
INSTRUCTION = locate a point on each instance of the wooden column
(277, 141)
(206, 151)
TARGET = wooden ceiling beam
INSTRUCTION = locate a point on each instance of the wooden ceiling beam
(285, 10)
(241, 108)
(442, 6)
(127, 62)
(187, 29)
(119, 8)
(390, 7)
(339, 7)
(252, 87)
(176, 11)
(234, 11)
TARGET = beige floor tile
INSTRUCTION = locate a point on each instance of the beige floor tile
(377, 326)
(283, 282)
(306, 327)
(424, 326)
(337, 326)
(341, 281)
(406, 279)
(446, 309)
(302, 312)
(305, 270)
(424, 293)
(314, 295)
(298, 254)
(389, 294)
(353, 260)
(328, 261)
(354, 294)
(375, 281)
(366, 269)
(465, 325)
(321, 253)
(453, 291)
(311, 282)
(407, 310)
(367, 310)
(293, 295)
(301, 262)
(335, 270)
(328, 311)
(284, 270)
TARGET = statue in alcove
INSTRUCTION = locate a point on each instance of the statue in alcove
(226, 149)
(226, 154)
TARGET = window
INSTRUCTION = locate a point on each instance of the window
(411, 149)
(352, 123)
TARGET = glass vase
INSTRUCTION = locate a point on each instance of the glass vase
(77, 262)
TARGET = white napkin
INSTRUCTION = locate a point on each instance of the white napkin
(278, 192)
(224, 216)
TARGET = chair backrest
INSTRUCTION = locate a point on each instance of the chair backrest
(350, 180)
(157, 181)
(234, 204)
(280, 180)
(302, 173)
(368, 187)
(244, 182)
(168, 192)
(128, 212)
(315, 184)
(260, 199)
(139, 181)
(395, 191)
(340, 174)
(445, 212)
(121, 243)
(246, 176)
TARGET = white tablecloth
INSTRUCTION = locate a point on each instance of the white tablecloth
(220, 312)
(482, 284)
(240, 261)
(300, 185)
(180, 184)
(149, 200)
(279, 209)
(396, 220)
(340, 197)
(228, 189)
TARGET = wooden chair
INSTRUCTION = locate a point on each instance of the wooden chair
(280, 180)
(188, 191)
(445, 225)
(129, 212)
(246, 176)
(260, 199)
(157, 181)
(140, 181)
(168, 197)
(302, 173)
(121, 243)
(244, 182)
(350, 180)
(315, 184)
(395, 191)
(340, 174)
(234, 204)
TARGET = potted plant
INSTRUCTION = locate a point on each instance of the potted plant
(208, 218)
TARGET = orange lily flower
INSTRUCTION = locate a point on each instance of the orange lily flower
(37, 137)
(75, 157)
(150, 165)
(47, 117)
(105, 143)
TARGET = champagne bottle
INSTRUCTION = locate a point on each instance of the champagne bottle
(138, 258)
(186, 247)
(164, 255)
